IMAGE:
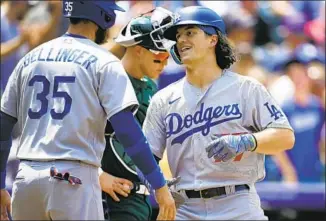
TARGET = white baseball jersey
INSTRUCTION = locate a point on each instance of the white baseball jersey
(181, 119)
(62, 94)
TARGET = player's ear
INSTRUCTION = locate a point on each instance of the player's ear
(213, 40)
(139, 50)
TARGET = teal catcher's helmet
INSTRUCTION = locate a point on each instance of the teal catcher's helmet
(147, 31)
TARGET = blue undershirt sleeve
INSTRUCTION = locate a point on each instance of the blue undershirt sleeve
(7, 124)
(130, 135)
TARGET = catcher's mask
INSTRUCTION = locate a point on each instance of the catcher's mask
(147, 31)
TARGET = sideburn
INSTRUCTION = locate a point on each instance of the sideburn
(100, 36)
(225, 53)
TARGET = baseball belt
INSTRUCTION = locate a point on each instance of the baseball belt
(143, 190)
(140, 189)
(218, 191)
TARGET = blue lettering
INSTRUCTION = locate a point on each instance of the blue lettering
(275, 113)
(198, 117)
(26, 60)
(33, 56)
(170, 122)
(175, 123)
(208, 114)
(57, 58)
(89, 61)
(81, 55)
(39, 56)
(73, 55)
(235, 109)
(64, 55)
(226, 110)
(188, 121)
(218, 111)
(48, 57)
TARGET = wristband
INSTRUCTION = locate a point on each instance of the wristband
(253, 142)
(156, 178)
(3, 180)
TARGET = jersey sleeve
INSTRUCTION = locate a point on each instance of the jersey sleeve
(9, 98)
(115, 90)
(262, 111)
(154, 127)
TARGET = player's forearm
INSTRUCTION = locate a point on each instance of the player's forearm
(274, 140)
(48, 31)
(7, 48)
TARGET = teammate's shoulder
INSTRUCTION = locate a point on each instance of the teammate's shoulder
(242, 79)
(175, 85)
(239, 77)
(167, 92)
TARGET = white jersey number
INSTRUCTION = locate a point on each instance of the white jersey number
(68, 7)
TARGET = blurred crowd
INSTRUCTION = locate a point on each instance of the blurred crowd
(280, 43)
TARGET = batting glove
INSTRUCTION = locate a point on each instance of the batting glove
(179, 199)
(227, 147)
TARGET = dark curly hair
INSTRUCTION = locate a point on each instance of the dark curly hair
(225, 53)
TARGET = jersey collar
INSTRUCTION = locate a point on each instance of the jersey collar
(67, 34)
(137, 83)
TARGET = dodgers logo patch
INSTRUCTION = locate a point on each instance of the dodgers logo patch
(275, 113)
(205, 118)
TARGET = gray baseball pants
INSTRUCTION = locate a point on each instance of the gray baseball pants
(242, 205)
(37, 196)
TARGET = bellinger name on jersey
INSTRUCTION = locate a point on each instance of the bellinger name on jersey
(76, 56)
(210, 117)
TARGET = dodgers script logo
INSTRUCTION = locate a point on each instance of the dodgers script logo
(210, 117)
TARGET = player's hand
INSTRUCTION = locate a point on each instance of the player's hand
(227, 147)
(5, 204)
(167, 209)
(112, 185)
(179, 199)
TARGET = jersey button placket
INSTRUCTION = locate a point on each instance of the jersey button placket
(194, 143)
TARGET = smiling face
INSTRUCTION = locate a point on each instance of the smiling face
(193, 44)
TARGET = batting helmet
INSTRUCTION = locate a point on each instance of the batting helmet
(100, 12)
(195, 15)
(205, 18)
(147, 31)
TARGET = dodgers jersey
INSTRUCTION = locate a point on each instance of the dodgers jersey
(181, 119)
(62, 94)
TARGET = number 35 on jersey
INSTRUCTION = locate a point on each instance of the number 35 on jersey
(43, 98)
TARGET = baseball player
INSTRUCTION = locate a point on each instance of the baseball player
(215, 125)
(61, 94)
(142, 38)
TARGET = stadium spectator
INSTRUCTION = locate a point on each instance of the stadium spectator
(13, 37)
(306, 115)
